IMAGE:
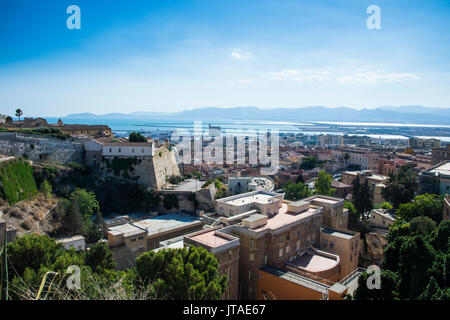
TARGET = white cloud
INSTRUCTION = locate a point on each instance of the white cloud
(245, 81)
(369, 78)
(300, 76)
(241, 55)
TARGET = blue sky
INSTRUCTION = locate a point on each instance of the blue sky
(173, 55)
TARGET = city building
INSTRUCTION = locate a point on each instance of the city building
(343, 243)
(225, 248)
(342, 189)
(238, 185)
(381, 219)
(126, 242)
(276, 284)
(273, 240)
(376, 182)
(446, 215)
(436, 180)
(129, 240)
(333, 212)
(439, 155)
(76, 242)
(417, 143)
(263, 201)
(167, 226)
(136, 161)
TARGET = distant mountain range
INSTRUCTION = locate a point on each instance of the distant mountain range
(403, 114)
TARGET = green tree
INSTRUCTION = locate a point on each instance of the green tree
(361, 196)
(440, 237)
(422, 225)
(354, 217)
(432, 291)
(428, 205)
(86, 200)
(401, 187)
(170, 201)
(416, 257)
(136, 137)
(308, 163)
(72, 221)
(19, 113)
(31, 251)
(387, 290)
(8, 120)
(295, 191)
(399, 230)
(46, 189)
(99, 258)
(182, 274)
(323, 184)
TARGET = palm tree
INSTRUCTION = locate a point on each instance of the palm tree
(19, 113)
(8, 119)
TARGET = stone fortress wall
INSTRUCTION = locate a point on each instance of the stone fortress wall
(38, 148)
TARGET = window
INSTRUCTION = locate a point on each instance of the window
(331, 245)
(132, 150)
(252, 243)
(142, 150)
(288, 248)
(230, 256)
(141, 238)
(281, 239)
(110, 149)
(120, 150)
(133, 240)
(288, 237)
(265, 259)
(251, 257)
(298, 244)
(280, 252)
(298, 234)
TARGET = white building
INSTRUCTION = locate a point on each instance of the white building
(265, 202)
(77, 242)
(128, 149)
(380, 218)
(238, 185)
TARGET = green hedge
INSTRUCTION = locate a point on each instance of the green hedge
(17, 182)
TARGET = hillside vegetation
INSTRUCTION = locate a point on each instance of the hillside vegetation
(17, 182)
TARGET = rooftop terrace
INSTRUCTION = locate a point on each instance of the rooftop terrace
(285, 218)
(212, 239)
(126, 229)
(337, 233)
(167, 222)
(315, 261)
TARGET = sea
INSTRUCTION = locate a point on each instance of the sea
(123, 126)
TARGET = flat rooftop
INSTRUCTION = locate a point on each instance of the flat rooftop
(126, 229)
(211, 239)
(174, 243)
(167, 222)
(384, 213)
(442, 169)
(323, 199)
(337, 233)
(258, 198)
(69, 239)
(283, 218)
(314, 262)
